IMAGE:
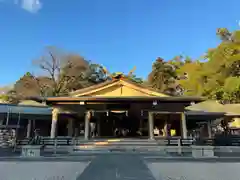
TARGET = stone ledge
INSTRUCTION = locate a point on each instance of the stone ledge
(32, 151)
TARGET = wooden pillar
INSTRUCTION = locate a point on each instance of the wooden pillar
(183, 125)
(166, 134)
(209, 129)
(98, 127)
(87, 122)
(141, 124)
(70, 127)
(76, 127)
(34, 124)
(55, 113)
(150, 125)
(29, 128)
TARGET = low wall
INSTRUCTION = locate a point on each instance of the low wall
(221, 151)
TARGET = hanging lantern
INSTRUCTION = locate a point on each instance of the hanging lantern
(192, 103)
(82, 103)
(155, 103)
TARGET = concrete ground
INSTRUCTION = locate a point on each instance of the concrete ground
(121, 166)
(194, 170)
(41, 170)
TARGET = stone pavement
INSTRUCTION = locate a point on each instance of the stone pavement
(121, 166)
(194, 170)
(118, 166)
(48, 170)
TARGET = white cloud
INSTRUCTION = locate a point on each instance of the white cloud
(32, 6)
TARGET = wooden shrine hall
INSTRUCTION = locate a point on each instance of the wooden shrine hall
(119, 103)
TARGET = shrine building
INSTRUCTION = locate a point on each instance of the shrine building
(116, 104)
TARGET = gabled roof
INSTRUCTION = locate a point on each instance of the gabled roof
(203, 116)
(214, 106)
(232, 109)
(207, 106)
(91, 88)
(124, 82)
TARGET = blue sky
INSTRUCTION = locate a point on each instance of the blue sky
(119, 34)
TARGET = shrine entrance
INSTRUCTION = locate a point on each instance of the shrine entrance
(124, 125)
(117, 124)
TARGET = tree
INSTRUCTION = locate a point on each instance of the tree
(25, 86)
(217, 77)
(61, 70)
(189, 77)
(224, 34)
(96, 74)
(172, 77)
(4, 98)
(231, 90)
(61, 74)
(222, 70)
(163, 74)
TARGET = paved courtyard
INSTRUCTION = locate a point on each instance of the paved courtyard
(107, 167)
(116, 166)
(41, 170)
(194, 170)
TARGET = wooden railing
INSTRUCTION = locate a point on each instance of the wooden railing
(229, 140)
(178, 142)
(47, 141)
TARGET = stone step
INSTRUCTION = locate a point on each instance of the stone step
(116, 140)
(122, 142)
(119, 144)
(119, 147)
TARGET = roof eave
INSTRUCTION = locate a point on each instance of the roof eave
(124, 99)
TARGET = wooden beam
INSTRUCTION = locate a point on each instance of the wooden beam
(102, 103)
(160, 112)
(86, 103)
(147, 99)
(100, 111)
(65, 103)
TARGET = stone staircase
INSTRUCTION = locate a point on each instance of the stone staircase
(119, 145)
